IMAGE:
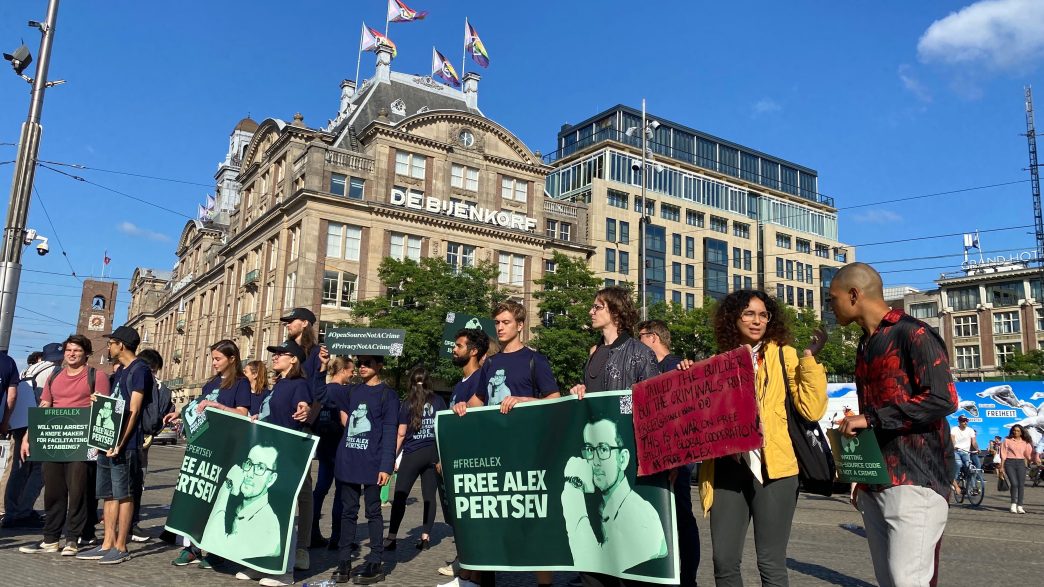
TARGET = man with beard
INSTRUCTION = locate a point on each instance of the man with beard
(253, 530)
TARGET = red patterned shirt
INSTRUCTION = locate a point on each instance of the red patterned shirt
(905, 390)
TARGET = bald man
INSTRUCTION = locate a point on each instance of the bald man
(905, 392)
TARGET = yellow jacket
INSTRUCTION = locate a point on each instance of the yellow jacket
(807, 387)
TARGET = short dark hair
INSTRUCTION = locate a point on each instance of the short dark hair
(152, 358)
(81, 341)
(477, 340)
(621, 307)
(34, 358)
(657, 327)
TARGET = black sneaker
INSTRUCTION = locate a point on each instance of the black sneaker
(343, 572)
(318, 541)
(371, 573)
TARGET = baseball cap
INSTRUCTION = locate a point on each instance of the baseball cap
(126, 335)
(299, 314)
(962, 418)
(289, 347)
(53, 352)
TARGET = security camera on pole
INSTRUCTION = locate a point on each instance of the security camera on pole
(648, 127)
(15, 234)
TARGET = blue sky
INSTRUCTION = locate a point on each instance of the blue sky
(886, 100)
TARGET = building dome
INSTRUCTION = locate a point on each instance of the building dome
(246, 125)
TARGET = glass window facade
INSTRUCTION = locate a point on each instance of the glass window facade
(715, 272)
(410, 164)
(405, 246)
(924, 310)
(1006, 323)
(965, 326)
(963, 298)
(459, 255)
(1007, 293)
(967, 357)
(656, 263)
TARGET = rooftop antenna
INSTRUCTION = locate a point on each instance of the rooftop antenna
(1031, 139)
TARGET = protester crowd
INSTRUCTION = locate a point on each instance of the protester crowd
(367, 433)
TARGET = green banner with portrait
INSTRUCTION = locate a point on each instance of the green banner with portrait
(106, 422)
(237, 490)
(552, 485)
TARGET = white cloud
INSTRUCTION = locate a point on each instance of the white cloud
(997, 34)
(131, 229)
(879, 216)
(912, 84)
(766, 106)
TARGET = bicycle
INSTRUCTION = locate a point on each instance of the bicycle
(972, 485)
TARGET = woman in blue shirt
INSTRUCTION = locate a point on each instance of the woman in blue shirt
(364, 461)
(257, 374)
(228, 391)
(329, 430)
(416, 442)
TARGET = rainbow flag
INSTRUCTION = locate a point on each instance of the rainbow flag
(399, 12)
(372, 39)
(473, 45)
(440, 67)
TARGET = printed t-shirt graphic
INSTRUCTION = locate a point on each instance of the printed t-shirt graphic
(513, 373)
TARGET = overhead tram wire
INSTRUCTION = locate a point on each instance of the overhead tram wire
(54, 231)
(24, 309)
(115, 191)
(127, 173)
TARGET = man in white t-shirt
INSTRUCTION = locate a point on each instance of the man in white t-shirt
(964, 446)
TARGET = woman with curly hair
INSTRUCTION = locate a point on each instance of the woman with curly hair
(761, 485)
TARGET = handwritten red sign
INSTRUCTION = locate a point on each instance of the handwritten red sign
(705, 412)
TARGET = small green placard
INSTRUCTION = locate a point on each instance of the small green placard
(193, 421)
(858, 459)
(456, 321)
(106, 422)
(59, 435)
(365, 341)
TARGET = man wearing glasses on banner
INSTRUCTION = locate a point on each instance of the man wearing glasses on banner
(254, 529)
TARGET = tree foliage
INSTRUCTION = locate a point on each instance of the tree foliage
(838, 354)
(692, 330)
(418, 296)
(565, 336)
(1031, 364)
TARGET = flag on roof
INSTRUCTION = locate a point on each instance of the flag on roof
(441, 67)
(473, 45)
(211, 202)
(372, 39)
(399, 12)
(202, 213)
(105, 258)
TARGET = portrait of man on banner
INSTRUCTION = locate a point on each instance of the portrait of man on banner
(242, 517)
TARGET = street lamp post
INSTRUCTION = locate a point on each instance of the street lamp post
(643, 279)
(22, 181)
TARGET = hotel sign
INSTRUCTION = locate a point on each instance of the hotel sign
(1023, 257)
(501, 218)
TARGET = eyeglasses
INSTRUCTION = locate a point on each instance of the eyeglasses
(597, 307)
(748, 316)
(256, 468)
(368, 363)
(603, 450)
(641, 334)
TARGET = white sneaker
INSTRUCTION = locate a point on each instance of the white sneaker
(70, 550)
(50, 547)
(248, 575)
(1014, 509)
(301, 560)
(280, 581)
(1021, 510)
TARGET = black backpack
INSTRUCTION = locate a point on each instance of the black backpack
(54, 375)
(157, 405)
(816, 471)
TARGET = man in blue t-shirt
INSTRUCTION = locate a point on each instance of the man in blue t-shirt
(120, 466)
(517, 374)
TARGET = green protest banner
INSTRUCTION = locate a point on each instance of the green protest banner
(193, 421)
(552, 485)
(106, 421)
(237, 490)
(365, 341)
(60, 435)
(455, 322)
(858, 459)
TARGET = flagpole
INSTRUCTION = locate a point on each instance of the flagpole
(358, 62)
(464, 57)
(387, 19)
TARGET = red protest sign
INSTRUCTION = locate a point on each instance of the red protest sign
(704, 412)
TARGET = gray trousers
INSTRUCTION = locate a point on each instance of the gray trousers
(1015, 471)
(738, 499)
(903, 526)
(24, 482)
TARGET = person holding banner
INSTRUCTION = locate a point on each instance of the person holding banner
(118, 467)
(69, 486)
(227, 391)
(416, 444)
(329, 429)
(515, 375)
(365, 458)
(761, 485)
(289, 406)
(905, 393)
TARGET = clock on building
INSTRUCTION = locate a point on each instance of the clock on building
(466, 138)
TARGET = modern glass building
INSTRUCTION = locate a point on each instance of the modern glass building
(735, 216)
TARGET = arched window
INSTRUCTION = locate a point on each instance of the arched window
(98, 303)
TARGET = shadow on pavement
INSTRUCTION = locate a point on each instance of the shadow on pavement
(824, 574)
